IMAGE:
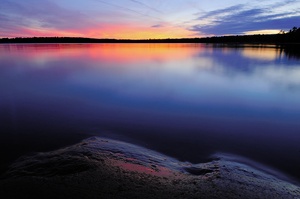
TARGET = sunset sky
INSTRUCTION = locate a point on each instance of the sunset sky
(143, 19)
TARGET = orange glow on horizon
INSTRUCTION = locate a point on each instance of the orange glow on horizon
(123, 31)
(130, 31)
(255, 32)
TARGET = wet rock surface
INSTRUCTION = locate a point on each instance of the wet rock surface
(105, 168)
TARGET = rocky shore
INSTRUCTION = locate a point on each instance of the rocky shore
(104, 168)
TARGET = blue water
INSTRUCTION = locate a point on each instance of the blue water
(184, 100)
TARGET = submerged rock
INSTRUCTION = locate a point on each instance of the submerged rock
(105, 168)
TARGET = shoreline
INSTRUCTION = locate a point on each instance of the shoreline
(291, 37)
(109, 168)
(234, 43)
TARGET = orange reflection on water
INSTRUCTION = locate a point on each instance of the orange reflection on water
(120, 53)
(125, 53)
(268, 53)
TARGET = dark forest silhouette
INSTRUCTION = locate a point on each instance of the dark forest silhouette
(292, 36)
(287, 42)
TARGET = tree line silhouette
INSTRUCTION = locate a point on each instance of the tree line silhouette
(292, 36)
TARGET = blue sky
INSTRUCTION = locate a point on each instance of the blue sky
(145, 18)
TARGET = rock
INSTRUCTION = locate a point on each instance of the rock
(105, 168)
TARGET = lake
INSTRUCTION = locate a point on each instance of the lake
(188, 101)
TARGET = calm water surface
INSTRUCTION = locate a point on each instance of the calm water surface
(185, 100)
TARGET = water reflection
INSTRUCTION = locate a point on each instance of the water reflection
(186, 100)
(291, 51)
(118, 53)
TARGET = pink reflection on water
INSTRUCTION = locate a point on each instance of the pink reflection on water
(127, 53)
(117, 53)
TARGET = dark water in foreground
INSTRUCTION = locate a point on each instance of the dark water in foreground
(185, 100)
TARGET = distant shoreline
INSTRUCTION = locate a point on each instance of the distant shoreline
(287, 43)
(276, 39)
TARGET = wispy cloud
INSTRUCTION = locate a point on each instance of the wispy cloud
(220, 12)
(243, 18)
(147, 6)
(149, 18)
(157, 26)
(128, 9)
(17, 16)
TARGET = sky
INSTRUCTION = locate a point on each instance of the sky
(146, 19)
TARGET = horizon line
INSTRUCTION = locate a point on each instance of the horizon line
(216, 36)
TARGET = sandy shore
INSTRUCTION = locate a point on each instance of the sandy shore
(105, 168)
